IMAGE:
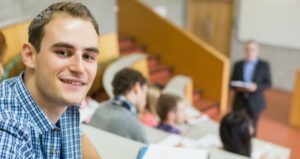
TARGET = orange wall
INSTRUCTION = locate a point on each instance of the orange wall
(186, 53)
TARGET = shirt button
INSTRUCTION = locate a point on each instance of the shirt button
(53, 151)
(55, 130)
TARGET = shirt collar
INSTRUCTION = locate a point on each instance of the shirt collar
(124, 102)
(252, 62)
(40, 120)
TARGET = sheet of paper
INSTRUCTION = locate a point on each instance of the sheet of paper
(195, 121)
(209, 141)
(240, 84)
(175, 140)
(165, 152)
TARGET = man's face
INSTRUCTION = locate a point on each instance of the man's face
(141, 97)
(66, 65)
(180, 113)
(252, 51)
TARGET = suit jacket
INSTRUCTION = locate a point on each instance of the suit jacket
(262, 78)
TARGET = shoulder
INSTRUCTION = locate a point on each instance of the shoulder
(14, 124)
(263, 62)
(7, 87)
(239, 63)
(15, 141)
(8, 94)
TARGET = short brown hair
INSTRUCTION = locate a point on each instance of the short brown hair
(3, 45)
(36, 27)
(166, 103)
(125, 79)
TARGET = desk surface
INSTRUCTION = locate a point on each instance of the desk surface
(111, 146)
(211, 127)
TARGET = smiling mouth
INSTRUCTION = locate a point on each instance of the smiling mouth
(75, 83)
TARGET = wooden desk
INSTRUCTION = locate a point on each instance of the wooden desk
(111, 146)
(211, 127)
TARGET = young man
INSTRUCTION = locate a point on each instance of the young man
(170, 109)
(39, 116)
(256, 73)
(119, 116)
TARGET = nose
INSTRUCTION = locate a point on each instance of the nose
(76, 64)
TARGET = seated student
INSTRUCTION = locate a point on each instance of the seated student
(236, 131)
(3, 48)
(149, 115)
(119, 116)
(170, 109)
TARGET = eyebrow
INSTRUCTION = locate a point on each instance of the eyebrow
(69, 46)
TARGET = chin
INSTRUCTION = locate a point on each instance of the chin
(73, 98)
(73, 102)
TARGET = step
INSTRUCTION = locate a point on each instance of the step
(153, 61)
(207, 107)
(197, 94)
(126, 42)
(132, 50)
(161, 75)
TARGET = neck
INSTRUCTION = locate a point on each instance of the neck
(169, 122)
(131, 98)
(251, 60)
(53, 110)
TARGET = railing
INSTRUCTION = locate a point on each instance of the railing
(185, 52)
(295, 108)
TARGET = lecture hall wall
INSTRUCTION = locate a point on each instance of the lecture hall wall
(284, 61)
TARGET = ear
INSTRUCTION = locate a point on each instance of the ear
(29, 55)
(171, 116)
(137, 87)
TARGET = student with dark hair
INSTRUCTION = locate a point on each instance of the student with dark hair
(119, 116)
(39, 109)
(170, 109)
(236, 131)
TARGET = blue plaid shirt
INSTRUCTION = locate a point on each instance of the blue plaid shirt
(25, 131)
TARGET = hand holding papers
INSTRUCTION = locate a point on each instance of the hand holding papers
(244, 86)
(239, 84)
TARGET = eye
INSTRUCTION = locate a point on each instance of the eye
(89, 57)
(63, 53)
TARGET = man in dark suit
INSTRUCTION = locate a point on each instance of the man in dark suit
(256, 74)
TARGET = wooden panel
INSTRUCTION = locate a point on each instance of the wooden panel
(109, 47)
(295, 108)
(211, 20)
(188, 54)
(15, 36)
(141, 66)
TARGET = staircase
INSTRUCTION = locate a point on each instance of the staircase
(160, 74)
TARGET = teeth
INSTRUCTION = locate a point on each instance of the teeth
(73, 83)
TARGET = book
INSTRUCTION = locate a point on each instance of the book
(240, 84)
(165, 152)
